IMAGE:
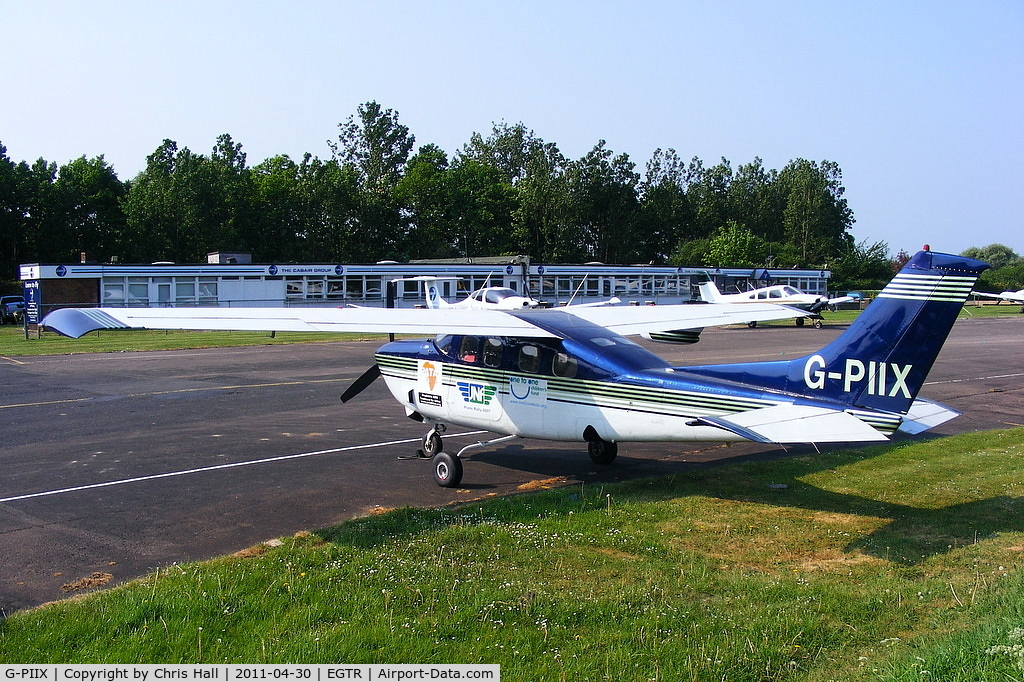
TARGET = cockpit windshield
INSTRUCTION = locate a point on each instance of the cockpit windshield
(498, 294)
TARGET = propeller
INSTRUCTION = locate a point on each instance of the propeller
(361, 384)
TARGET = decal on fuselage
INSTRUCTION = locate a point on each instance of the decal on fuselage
(883, 378)
(528, 391)
(431, 399)
(477, 394)
(476, 398)
(428, 376)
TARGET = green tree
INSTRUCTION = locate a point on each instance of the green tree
(279, 226)
(708, 193)
(153, 211)
(1007, 278)
(666, 214)
(735, 246)
(229, 223)
(816, 218)
(996, 255)
(425, 193)
(44, 229)
(332, 211)
(87, 195)
(13, 215)
(377, 147)
(755, 201)
(863, 266)
(604, 209)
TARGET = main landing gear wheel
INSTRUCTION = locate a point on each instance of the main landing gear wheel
(752, 324)
(799, 321)
(447, 470)
(602, 451)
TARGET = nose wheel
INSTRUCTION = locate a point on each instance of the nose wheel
(432, 443)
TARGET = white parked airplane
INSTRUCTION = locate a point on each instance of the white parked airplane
(494, 298)
(568, 374)
(1010, 296)
(779, 293)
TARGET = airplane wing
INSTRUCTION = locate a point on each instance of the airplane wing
(840, 299)
(796, 424)
(75, 322)
(1011, 296)
(624, 320)
(629, 320)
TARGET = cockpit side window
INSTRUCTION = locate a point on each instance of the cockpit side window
(775, 293)
(444, 343)
(469, 349)
(492, 351)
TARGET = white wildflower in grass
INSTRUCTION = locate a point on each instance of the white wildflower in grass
(1015, 649)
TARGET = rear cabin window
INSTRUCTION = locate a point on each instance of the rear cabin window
(564, 365)
(529, 359)
(492, 352)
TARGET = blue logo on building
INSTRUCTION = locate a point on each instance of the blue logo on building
(62, 270)
(339, 269)
(272, 270)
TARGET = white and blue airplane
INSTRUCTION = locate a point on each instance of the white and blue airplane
(777, 293)
(571, 375)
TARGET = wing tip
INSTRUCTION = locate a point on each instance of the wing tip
(77, 322)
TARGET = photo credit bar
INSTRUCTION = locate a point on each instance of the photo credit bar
(254, 673)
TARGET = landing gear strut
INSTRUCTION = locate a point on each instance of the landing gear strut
(446, 467)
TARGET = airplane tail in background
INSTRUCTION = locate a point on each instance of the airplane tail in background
(882, 360)
(434, 298)
(709, 292)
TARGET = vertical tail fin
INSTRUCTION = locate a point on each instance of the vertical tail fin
(881, 361)
(884, 357)
(709, 292)
(432, 292)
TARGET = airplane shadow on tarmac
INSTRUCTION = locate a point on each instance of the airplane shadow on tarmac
(908, 535)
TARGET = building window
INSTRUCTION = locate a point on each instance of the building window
(336, 288)
(138, 292)
(207, 291)
(184, 291)
(113, 293)
(294, 287)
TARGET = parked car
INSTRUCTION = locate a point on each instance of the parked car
(12, 309)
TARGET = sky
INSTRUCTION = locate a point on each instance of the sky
(918, 102)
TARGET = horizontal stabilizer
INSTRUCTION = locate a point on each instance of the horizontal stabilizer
(796, 424)
(926, 414)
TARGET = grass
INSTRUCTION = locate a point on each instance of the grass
(895, 562)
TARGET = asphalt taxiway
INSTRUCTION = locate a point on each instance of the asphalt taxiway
(117, 464)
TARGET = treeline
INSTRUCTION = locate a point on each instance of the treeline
(508, 192)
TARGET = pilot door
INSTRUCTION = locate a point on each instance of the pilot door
(473, 386)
